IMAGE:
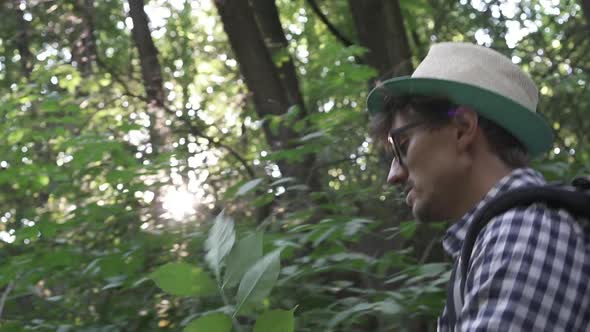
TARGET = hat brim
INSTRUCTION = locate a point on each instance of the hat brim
(527, 126)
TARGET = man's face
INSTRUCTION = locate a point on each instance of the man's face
(429, 174)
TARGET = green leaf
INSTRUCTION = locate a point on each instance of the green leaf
(28, 232)
(58, 258)
(114, 282)
(42, 180)
(407, 228)
(274, 122)
(7, 274)
(280, 56)
(183, 279)
(263, 200)
(217, 322)
(292, 113)
(433, 269)
(414, 6)
(295, 154)
(111, 265)
(8, 326)
(282, 181)
(388, 307)
(346, 314)
(312, 136)
(15, 136)
(248, 186)
(219, 242)
(259, 279)
(275, 321)
(50, 104)
(118, 264)
(245, 253)
(323, 235)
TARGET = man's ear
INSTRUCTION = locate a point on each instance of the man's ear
(466, 123)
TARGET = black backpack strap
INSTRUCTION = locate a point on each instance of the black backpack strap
(582, 183)
(576, 202)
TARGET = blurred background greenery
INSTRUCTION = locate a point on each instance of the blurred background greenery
(127, 127)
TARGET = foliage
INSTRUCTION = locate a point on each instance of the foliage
(103, 228)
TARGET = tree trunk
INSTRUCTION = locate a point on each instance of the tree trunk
(586, 9)
(151, 73)
(148, 54)
(84, 45)
(275, 89)
(380, 28)
(154, 88)
(22, 40)
(267, 15)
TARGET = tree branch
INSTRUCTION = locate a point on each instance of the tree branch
(428, 250)
(7, 291)
(194, 130)
(339, 161)
(586, 10)
(119, 80)
(316, 9)
(229, 149)
(316, 167)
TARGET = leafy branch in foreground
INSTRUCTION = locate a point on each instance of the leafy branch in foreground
(234, 264)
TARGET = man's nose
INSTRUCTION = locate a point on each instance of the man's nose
(397, 173)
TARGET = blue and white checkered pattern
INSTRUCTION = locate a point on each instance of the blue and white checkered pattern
(529, 269)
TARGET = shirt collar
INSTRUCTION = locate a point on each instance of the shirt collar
(453, 240)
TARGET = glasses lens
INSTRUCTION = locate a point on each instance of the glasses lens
(402, 147)
(396, 149)
(398, 152)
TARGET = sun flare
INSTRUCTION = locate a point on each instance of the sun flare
(178, 203)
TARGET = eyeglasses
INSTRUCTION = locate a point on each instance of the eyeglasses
(400, 148)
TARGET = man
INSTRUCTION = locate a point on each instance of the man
(462, 129)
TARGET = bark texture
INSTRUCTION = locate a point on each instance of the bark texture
(380, 28)
(151, 73)
(22, 40)
(259, 44)
(84, 43)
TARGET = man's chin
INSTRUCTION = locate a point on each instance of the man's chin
(423, 214)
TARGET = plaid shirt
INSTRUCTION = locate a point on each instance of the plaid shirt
(529, 269)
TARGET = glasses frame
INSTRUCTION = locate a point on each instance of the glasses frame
(393, 134)
(452, 111)
(395, 144)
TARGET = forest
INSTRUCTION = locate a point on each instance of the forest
(206, 165)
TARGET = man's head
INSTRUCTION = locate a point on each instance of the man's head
(435, 144)
(463, 120)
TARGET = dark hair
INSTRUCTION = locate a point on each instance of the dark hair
(434, 110)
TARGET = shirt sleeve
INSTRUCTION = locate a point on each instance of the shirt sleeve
(529, 271)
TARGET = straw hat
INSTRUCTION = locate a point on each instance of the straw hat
(479, 77)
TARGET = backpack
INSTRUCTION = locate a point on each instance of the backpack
(574, 198)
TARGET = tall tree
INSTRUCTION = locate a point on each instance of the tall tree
(267, 16)
(22, 39)
(151, 72)
(272, 81)
(380, 28)
(586, 9)
(84, 43)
